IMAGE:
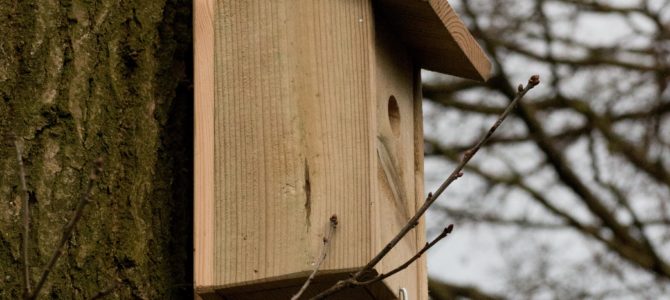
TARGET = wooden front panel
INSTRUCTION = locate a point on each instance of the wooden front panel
(292, 140)
(259, 177)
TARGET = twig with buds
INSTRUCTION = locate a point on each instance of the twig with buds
(358, 278)
(324, 251)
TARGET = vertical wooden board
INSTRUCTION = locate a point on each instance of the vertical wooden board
(395, 154)
(260, 221)
(422, 267)
(203, 32)
(293, 137)
(338, 111)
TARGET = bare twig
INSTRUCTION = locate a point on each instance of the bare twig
(446, 231)
(432, 197)
(324, 252)
(26, 220)
(69, 228)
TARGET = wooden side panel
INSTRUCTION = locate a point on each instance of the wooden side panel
(396, 155)
(203, 33)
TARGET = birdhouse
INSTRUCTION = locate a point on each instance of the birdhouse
(305, 109)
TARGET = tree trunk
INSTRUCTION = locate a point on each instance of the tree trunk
(86, 79)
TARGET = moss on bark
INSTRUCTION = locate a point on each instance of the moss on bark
(87, 79)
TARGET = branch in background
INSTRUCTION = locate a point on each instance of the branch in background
(461, 214)
(621, 200)
(635, 154)
(69, 228)
(565, 137)
(568, 219)
(356, 278)
(26, 220)
(444, 96)
(324, 251)
(595, 59)
(449, 88)
(623, 242)
(628, 251)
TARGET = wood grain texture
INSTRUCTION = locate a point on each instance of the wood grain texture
(284, 289)
(258, 156)
(293, 124)
(437, 38)
(293, 120)
(474, 55)
(203, 34)
(395, 131)
(419, 189)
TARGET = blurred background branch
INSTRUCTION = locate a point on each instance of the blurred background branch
(577, 184)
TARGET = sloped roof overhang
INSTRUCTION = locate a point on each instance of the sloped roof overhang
(436, 37)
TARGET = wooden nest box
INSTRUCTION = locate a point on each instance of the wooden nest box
(305, 109)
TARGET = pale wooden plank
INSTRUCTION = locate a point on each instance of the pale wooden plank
(298, 108)
(259, 163)
(422, 267)
(338, 127)
(203, 35)
(395, 119)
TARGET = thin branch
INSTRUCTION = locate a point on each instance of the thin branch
(568, 136)
(516, 182)
(635, 154)
(446, 231)
(324, 253)
(588, 61)
(620, 197)
(454, 175)
(69, 228)
(26, 220)
(493, 219)
(624, 243)
(432, 197)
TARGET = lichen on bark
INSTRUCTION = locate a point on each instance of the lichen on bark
(87, 79)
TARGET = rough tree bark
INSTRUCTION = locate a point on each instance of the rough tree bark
(87, 79)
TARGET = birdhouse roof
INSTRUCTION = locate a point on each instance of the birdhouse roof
(436, 37)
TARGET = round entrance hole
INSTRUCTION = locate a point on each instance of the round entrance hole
(394, 115)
